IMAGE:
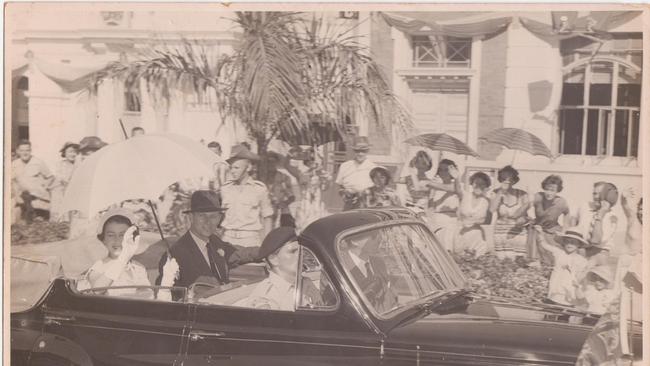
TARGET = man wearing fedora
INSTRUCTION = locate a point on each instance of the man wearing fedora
(249, 214)
(354, 175)
(200, 253)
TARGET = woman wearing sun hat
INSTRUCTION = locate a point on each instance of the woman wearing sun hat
(116, 230)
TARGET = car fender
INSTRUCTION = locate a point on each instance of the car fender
(61, 347)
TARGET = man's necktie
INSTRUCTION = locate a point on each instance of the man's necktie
(212, 255)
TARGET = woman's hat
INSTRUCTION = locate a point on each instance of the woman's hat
(205, 201)
(604, 272)
(119, 211)
(361, 144)
(67, 145)
(378, 169)
(91, 143)
(238, 152)
(572, 233)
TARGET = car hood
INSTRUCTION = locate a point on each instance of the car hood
(494, 332)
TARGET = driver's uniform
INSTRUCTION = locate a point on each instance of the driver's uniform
(276, 293)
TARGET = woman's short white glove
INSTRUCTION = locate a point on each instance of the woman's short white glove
(129, 243)
(129, 246)
(170, 273)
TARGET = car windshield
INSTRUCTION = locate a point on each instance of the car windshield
(397, 266)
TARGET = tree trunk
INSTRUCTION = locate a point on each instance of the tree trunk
(262, 145)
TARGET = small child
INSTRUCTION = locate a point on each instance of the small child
(569, 265)
(597, 294)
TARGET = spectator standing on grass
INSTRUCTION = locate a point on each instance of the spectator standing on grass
(31, 181)
(249, 212)
(354, 175)
(568, 265)
(220, 168)
(62, 174)
(313, 182)
(280, 192)
(472, 212)
(380, 194)
(510, 205)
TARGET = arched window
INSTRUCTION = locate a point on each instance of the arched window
(600, 107)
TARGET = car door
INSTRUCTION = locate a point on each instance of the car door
(330, 333)
(112, 330)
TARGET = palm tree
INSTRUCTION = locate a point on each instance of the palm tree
(286, 74)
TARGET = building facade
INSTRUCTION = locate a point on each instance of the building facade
(572, 79)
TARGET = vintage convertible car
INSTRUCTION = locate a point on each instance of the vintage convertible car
(415, 311)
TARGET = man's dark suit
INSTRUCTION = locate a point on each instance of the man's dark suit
(192, 263)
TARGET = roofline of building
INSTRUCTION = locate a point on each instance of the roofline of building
(124, 36)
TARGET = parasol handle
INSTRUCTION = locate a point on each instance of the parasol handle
(162, 236)
(126, 137)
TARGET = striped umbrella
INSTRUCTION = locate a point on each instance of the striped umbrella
(441, 142)
(518, 139)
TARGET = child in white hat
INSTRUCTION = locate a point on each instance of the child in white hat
(569, 265)
(597, 294)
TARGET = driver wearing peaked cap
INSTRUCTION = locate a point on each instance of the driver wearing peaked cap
(280, 251)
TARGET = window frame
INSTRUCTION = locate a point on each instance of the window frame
(300, 279)
(607, 141)
(453, 46)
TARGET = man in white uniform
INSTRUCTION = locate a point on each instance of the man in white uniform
(354, 175)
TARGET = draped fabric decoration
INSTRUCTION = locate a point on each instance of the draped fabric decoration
(567, 24)
(560, 25)
(70, 78)
(454, 24)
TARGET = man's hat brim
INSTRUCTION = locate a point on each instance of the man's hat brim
(247, 155)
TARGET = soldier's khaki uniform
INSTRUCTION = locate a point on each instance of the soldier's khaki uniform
(275, 293)
(247, 205)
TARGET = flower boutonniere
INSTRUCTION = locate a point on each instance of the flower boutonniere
(221, 252)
